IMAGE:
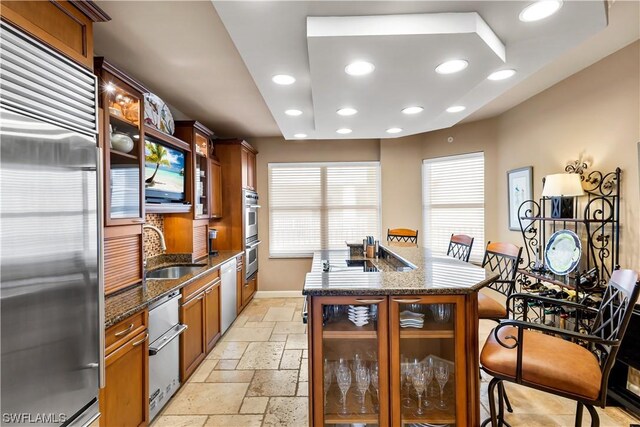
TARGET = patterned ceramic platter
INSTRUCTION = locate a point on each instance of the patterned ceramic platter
(157, 114)
(563, 252)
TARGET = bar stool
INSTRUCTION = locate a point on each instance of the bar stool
(402, 237)
(550, 359)
(460, 247)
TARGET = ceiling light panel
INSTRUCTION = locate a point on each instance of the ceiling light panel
(540, 10)
(347, 111)
(316, 40)
(293, 112)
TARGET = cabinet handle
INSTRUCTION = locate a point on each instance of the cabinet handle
(406, 301)
(208, 292)
(369, 301)
(135, 344)
(201, 295)
(123, 332)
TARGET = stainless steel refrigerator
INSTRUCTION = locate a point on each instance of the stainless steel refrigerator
(51, 299)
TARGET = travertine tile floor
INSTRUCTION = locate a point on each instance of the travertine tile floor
(257, 376)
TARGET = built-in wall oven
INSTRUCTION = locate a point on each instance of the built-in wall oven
(250, 223)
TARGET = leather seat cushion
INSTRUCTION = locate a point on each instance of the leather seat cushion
(488, 308)
(547, 361)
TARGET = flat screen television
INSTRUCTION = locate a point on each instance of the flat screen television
(164, 173)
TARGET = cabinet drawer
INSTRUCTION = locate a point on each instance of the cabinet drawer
(125, 330)
(249, 289)
(200, 283)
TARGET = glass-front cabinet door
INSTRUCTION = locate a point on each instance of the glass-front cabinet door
(427, 361)
(350, 353)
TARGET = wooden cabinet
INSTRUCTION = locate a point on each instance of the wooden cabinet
(186, 235)
(215, 174)
(192, 341)
(121, 136)
(248, 165)
(200, 311)
(212, 316)
(237, 159)
(125, 399)
(64, 25)
(249, 289)
(444, 345)
(122, 257)
(197, 136)
(240, 282)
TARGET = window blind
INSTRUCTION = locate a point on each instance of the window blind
(453, 201)
(315, 206)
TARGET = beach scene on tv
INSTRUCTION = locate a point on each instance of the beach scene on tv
(164, 168)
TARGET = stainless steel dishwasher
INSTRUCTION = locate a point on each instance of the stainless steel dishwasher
(164, 352)
(228, 294)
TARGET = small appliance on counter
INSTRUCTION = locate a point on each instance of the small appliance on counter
(213, 235)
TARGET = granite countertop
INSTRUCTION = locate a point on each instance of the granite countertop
(433, 274)
(123, 304)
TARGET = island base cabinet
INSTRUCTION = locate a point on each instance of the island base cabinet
(124, 400)
(349, 362)
(394, 360)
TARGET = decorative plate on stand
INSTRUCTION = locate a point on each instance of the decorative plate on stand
(563, 252)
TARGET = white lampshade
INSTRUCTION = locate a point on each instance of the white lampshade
(562, 184)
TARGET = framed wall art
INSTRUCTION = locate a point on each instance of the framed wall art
(519, 188)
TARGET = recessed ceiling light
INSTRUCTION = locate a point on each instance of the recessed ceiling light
(394, 130)
(540, 10)
(300, 135)
(456, 109)
(452, 66)
(412, 110)
(347, 111)
(344, 131)
(283, 79)
(293, 112)
(502, 74)
(359, 68)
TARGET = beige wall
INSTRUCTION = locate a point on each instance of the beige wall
(288, 274)
(594, 113)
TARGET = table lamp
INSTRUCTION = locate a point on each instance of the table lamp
(561, 188)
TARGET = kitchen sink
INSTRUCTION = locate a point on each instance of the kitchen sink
(173, 271)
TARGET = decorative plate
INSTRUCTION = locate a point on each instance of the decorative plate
(157, 114)
(563, 252)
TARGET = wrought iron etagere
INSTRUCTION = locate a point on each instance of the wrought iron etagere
(597, 223)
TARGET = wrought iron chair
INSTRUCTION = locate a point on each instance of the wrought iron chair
(402, 237)
(502, 258)
(570, 364)
(460, 247)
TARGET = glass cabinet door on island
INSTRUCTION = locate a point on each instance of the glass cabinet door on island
(350, 343)
(427, 361)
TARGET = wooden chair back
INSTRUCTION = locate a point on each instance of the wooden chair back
(503, 258)
(460, 247)
(403, 235)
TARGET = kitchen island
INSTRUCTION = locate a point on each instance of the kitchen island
(376, 323)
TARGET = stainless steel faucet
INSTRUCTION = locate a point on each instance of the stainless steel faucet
(163, 244)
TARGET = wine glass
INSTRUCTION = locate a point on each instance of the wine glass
(344, 382)
(442, 376)
(327, 379)
(375, 381)
(419, 380)
(405, 373)
(428, 373)
(362, 382)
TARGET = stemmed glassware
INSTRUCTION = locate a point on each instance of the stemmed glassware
(405, 373)
(419, 379)
(428, 374)
(375, 382)
(327, 379)
(344, 382)
(362, 383)
(442, 376)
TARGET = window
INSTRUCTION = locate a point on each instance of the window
(453, 201)
(315, 206)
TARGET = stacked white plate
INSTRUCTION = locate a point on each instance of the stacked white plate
(409, 319)
(359, 314)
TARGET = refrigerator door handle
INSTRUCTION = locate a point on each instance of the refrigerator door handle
(101, 303)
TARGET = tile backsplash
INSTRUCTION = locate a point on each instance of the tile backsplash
(151, 239)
